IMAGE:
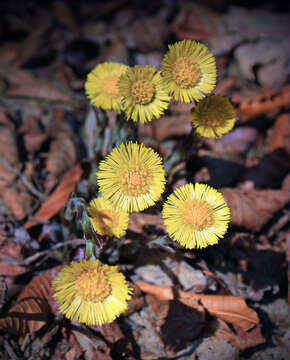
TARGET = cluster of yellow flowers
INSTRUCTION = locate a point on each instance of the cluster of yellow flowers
(187, 73)
(132, 178)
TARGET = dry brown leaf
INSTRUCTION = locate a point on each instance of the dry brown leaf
(58, 198)
(251, 107)
(22, 83)
(240, 339)
(254, 208)
(31, 311)
(8, 154)
(64, 15)
(167, 126)
(62, 155)
(33, 135)
(87, 345)
(16, 202)
(138, 220)
(279, 135)
(177, 324)
(270, 170)
(12, 252)
(63, 149)
(232, 309)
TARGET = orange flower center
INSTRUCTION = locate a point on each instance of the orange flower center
(143, 91)
(136, 181)
(93, 285)
(212, 117)
(110, 85)
(186, 72)
(197, 213)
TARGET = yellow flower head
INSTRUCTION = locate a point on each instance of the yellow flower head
(213, 116)
(189, 71)
(144, 96)
(106, 219)
(102, 85)
(89, 293)
(196, 215)
(131, 177)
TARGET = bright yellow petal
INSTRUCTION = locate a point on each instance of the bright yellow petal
(102, 85)
(188, 71)
(89, 293)
(106, 219)
(144, 96)
(196, 215)
(131, 177)
(213, 116)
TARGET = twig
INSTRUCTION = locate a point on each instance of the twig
(23, 178)
(34, 257)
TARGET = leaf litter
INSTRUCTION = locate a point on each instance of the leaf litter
(227, 302)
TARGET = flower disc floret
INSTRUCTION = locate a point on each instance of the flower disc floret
(196, 215)
(144, 96)
(131, 177)
(188, 71)
(102, 85)
(90, 293)
(213, 116)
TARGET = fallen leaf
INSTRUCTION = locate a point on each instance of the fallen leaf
(238, 141)
(270, 171)
(8, 154)
(12, 253)
(167, 126)
(139, 220)
(17, 202)
(279, 135)
(87, 345)
(240, 339)
(32, 133)
(271, 101)
(254, 208)
(63, 149)
(58, 198)
(22, 83)
(232, 309)
(177, 323)
(31, 311)
(118, 342)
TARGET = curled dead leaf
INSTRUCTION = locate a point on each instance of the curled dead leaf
(254, 208)
(232, 309)
(248, 108)
(63, 149)
(58, 198)
(279, 135)
(32, 309)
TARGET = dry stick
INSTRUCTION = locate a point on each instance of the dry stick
(34, 257)
(23, 178)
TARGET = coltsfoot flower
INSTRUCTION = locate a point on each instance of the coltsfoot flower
(102, 85)
(196, 215)
(106, 219)
(189, 71)
(144, 96)
(213, 116)
(131, 177)
(90, 293)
